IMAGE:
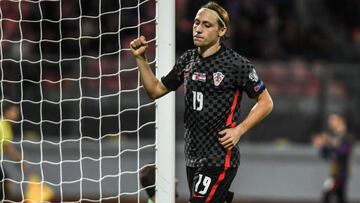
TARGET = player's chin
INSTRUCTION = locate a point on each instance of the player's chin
(198, 43)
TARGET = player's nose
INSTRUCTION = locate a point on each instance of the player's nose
(198, 29)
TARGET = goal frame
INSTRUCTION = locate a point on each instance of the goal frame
(165, 107)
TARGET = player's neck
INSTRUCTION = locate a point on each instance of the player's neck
(209, 50)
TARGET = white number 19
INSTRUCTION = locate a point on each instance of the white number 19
(198, 100)
(206, 183)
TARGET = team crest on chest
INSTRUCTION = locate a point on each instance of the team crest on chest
(218, 78)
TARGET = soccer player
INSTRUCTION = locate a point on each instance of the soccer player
(335, 146)
(147, 180)
(214, 79)
(10, 114)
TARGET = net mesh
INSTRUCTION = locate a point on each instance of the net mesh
(86, 127)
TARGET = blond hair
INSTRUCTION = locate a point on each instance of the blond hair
(223, 19)
(222, 15)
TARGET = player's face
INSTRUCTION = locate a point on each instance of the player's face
(206, 30)
(12, 113)
(336, 124)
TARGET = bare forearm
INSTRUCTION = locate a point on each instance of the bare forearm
(152, 85)
(260, 110)
(148, 78)
(15, 155)
(12, 152)
(229, 137)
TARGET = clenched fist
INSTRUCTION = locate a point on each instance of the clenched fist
(138, 47)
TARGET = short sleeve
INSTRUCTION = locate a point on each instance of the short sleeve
(175, 78)
(250, 81)
(172, 80)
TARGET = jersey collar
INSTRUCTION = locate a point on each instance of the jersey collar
(222, 48)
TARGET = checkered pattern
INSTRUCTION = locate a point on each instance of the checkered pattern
(232, 73)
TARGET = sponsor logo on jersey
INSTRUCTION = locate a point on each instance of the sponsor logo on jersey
(199, 77)
(218, 78)
(253, 76)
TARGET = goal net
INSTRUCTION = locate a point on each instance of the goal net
(86, 127)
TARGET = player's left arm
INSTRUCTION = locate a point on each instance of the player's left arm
(14, 154)
(231, 136)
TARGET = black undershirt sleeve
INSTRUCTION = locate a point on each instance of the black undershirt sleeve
(172, 80)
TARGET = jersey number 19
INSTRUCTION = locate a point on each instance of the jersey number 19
(198, 99)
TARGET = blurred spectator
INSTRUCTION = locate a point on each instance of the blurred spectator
(147, 179)
(9, 114)
(335, 146)
(250, 20)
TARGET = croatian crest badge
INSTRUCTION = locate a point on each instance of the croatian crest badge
(218, 78)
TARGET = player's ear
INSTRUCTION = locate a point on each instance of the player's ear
(222, 31)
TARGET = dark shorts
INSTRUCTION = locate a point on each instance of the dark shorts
(210, 185)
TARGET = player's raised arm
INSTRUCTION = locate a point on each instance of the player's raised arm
(154, 87)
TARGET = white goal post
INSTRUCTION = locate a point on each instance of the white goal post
(165, 107)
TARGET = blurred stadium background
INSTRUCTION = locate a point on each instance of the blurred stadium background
(307, 52)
